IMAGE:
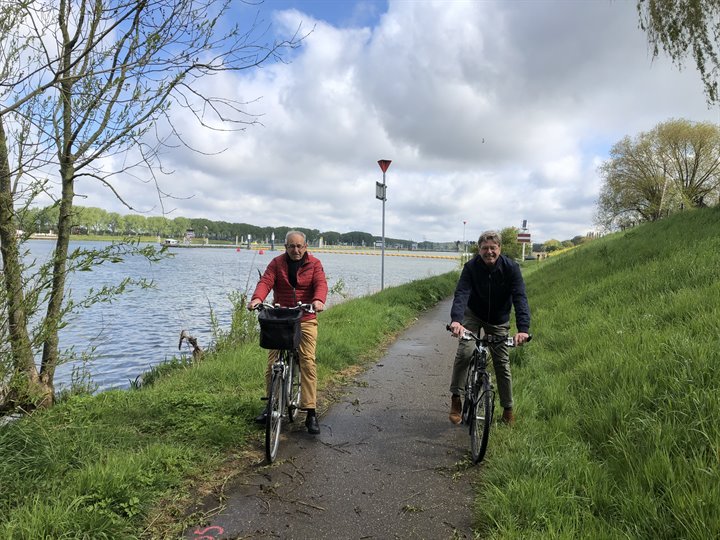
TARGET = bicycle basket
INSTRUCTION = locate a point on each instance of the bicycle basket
(279, 328)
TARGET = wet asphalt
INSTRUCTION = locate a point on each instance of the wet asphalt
(387, 464)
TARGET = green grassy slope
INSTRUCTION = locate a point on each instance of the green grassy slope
(619, 396)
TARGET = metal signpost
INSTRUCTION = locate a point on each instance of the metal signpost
(524, 238)
(381, 193)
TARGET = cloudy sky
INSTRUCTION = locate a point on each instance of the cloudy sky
(492, 112)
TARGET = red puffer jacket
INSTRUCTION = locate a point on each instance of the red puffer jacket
(311, 283)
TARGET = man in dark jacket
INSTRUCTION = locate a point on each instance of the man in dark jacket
(296, 276)
(490, 285)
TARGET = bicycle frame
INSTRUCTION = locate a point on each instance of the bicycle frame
(478, 374)
(284, 393)
(479, 403)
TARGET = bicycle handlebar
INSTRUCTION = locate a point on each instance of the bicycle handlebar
(487, 338)
(307, 308)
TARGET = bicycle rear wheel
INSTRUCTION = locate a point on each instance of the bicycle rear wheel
(274, 417)
(481, 413)
(293, 383)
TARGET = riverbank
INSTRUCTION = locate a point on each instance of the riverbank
(344, 251)
(123, 464)
(202, 243)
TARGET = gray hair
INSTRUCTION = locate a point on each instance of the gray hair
(490, 236)
(295, 233)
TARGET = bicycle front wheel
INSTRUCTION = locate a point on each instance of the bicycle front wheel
(293, 382)
(481, 413)
(274, 418)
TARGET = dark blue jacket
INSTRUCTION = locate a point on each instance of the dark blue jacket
(490, 292)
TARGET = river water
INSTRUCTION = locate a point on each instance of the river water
(142, 327)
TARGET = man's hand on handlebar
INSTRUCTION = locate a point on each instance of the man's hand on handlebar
(521, 337)
(318, 305)
(457, 329)
(254, 303)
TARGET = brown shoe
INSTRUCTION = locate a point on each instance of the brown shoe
(455, 409)
(508, 417)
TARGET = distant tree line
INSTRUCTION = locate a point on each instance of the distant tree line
(99, 222)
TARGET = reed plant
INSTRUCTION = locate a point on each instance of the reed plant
(123, 463)
(618, 396)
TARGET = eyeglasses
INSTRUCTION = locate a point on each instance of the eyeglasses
(295, 246)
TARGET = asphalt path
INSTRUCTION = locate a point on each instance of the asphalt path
(387, 463)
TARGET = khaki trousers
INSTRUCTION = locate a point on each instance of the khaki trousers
(308, 369)
(498, 352)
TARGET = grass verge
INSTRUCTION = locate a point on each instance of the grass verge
(122, 464)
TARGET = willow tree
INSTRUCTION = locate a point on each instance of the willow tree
(692, 153)
(673, 166)
(685, 28)
(86, 85)
(634, 183)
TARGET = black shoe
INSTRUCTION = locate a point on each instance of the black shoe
(262, 418)
(311, 423)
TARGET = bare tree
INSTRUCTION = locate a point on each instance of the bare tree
(85, 84)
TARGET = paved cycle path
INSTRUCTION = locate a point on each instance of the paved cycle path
(387, 463)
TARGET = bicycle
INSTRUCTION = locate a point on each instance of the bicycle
(280, 331)
(479, 404)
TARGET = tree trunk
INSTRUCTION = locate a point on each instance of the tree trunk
(64, 141)
(50, 354)
(25, 389)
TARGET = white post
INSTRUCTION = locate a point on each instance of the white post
(382, 255)
(381, 190)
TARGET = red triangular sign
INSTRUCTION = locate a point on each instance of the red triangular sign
(384, 164)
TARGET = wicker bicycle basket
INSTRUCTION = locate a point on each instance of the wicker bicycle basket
(279, 328)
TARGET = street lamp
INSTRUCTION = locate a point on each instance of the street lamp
(380, 193)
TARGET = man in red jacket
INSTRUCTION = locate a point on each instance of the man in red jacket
(296, 276)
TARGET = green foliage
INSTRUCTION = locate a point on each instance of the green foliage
(357, 238)
(617, 396)
(81, 381)
(161, 370)
(671, 167)
(338, 289)
(331, 238)
(685, 28)
(243, 324)
(510, 245)
(98, 466)
(551, 245)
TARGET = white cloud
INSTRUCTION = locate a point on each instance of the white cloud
(492, 112)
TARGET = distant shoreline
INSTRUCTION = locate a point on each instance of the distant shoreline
(354, 250)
